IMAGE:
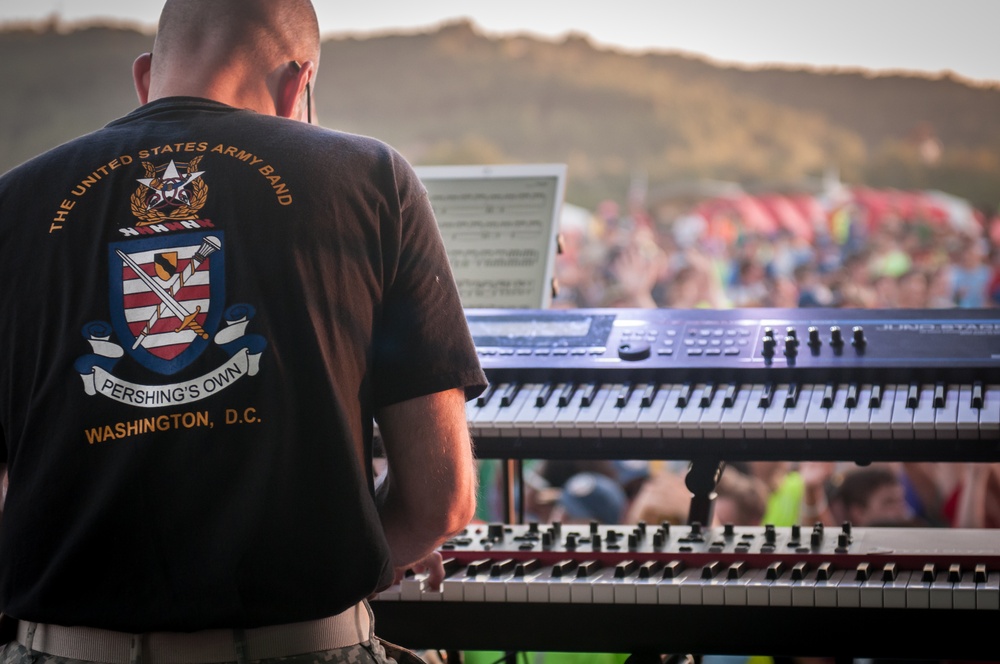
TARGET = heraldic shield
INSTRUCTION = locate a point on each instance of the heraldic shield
(166, 297)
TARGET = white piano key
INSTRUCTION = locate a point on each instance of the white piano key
(693, 587)
(964, 596)
(648, 421)
(988, 593)
(966, 416)
(507, 419)
(773, 422)
(902, 415)
(731, 421)
(753, 416)
(495, 583)
(622, 589)
(564, 424)
(600, 588)
(838, 415)
(711, 416)
(817, 414)
(825, 592)
(606, 420)
(859, 418)
(989, 415)
(390, 594)
(946, 417)
(483, 417)
(411, 588)
(689, 419)
(628, 415)
(923, 414)
(581, 586)
(795, 417)
(880, 417)
(803, 591)
(780, 592)
(517, 585)
(942, 591)
(894, 592)
(918, 591)
(848, 590)
(547, 415)
(586, 418)
(758, 588)
(872, 591)
(736, 589)
(668, 420)
(668, 591)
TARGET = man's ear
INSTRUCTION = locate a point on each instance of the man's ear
(292, 90)
(140, 76)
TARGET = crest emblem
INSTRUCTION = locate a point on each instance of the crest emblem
(168, 194)
(166, 297)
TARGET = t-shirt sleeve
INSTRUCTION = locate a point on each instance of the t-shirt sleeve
(422, 344)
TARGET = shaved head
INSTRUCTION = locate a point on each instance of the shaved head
(257, 54)
(258, 34)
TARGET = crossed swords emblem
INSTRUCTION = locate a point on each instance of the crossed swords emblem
(167, 295)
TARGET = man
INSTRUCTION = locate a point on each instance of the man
(207, 303)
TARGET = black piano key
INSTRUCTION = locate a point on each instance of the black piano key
(709, 570)
(649, 569)
(502, 567)
(889, 572)
(624, 568)
(589, 392)
(707, 394)
(672, 569)
(729, 395)
(824, 571)
(913, 396)
(484, 398)
(478, 566)
(526, 567)
(623, 395)
(774, 570)
(828, 394)
(939, 395)
(980, 573)
(793, 395)
(852, 396)
(544, 395)
(767, 396)
(736, 570)
(588, 568)
(928, 574)
(451, 565)
(954, 573)
(977, 395)
(863, 571)
(509, 393)
(648, 395)
(799, 571)
(684, 396)
(566, 394)
(563, 568)
(876, 398)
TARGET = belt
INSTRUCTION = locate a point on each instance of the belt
(348, 628)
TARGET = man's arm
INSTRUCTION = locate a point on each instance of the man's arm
(430, 491)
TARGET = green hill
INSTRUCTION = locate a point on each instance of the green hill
(456, 96)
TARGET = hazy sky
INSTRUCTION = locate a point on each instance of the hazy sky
(916, 35)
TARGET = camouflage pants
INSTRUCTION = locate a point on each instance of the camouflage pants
(364, 653)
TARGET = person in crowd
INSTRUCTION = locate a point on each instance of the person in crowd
(192, 478)
(869, 496)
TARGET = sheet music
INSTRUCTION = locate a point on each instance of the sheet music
(499, 227)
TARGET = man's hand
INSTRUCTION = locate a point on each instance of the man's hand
(432, 564)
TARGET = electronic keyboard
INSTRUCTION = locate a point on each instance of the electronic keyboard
(741, 384)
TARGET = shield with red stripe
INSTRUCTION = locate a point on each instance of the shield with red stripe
(166, 297)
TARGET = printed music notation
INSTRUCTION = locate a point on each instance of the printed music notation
(498, 233)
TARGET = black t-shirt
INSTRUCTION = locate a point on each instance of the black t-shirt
(202, 309)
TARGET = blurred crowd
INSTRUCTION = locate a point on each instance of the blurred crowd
(848, 257)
